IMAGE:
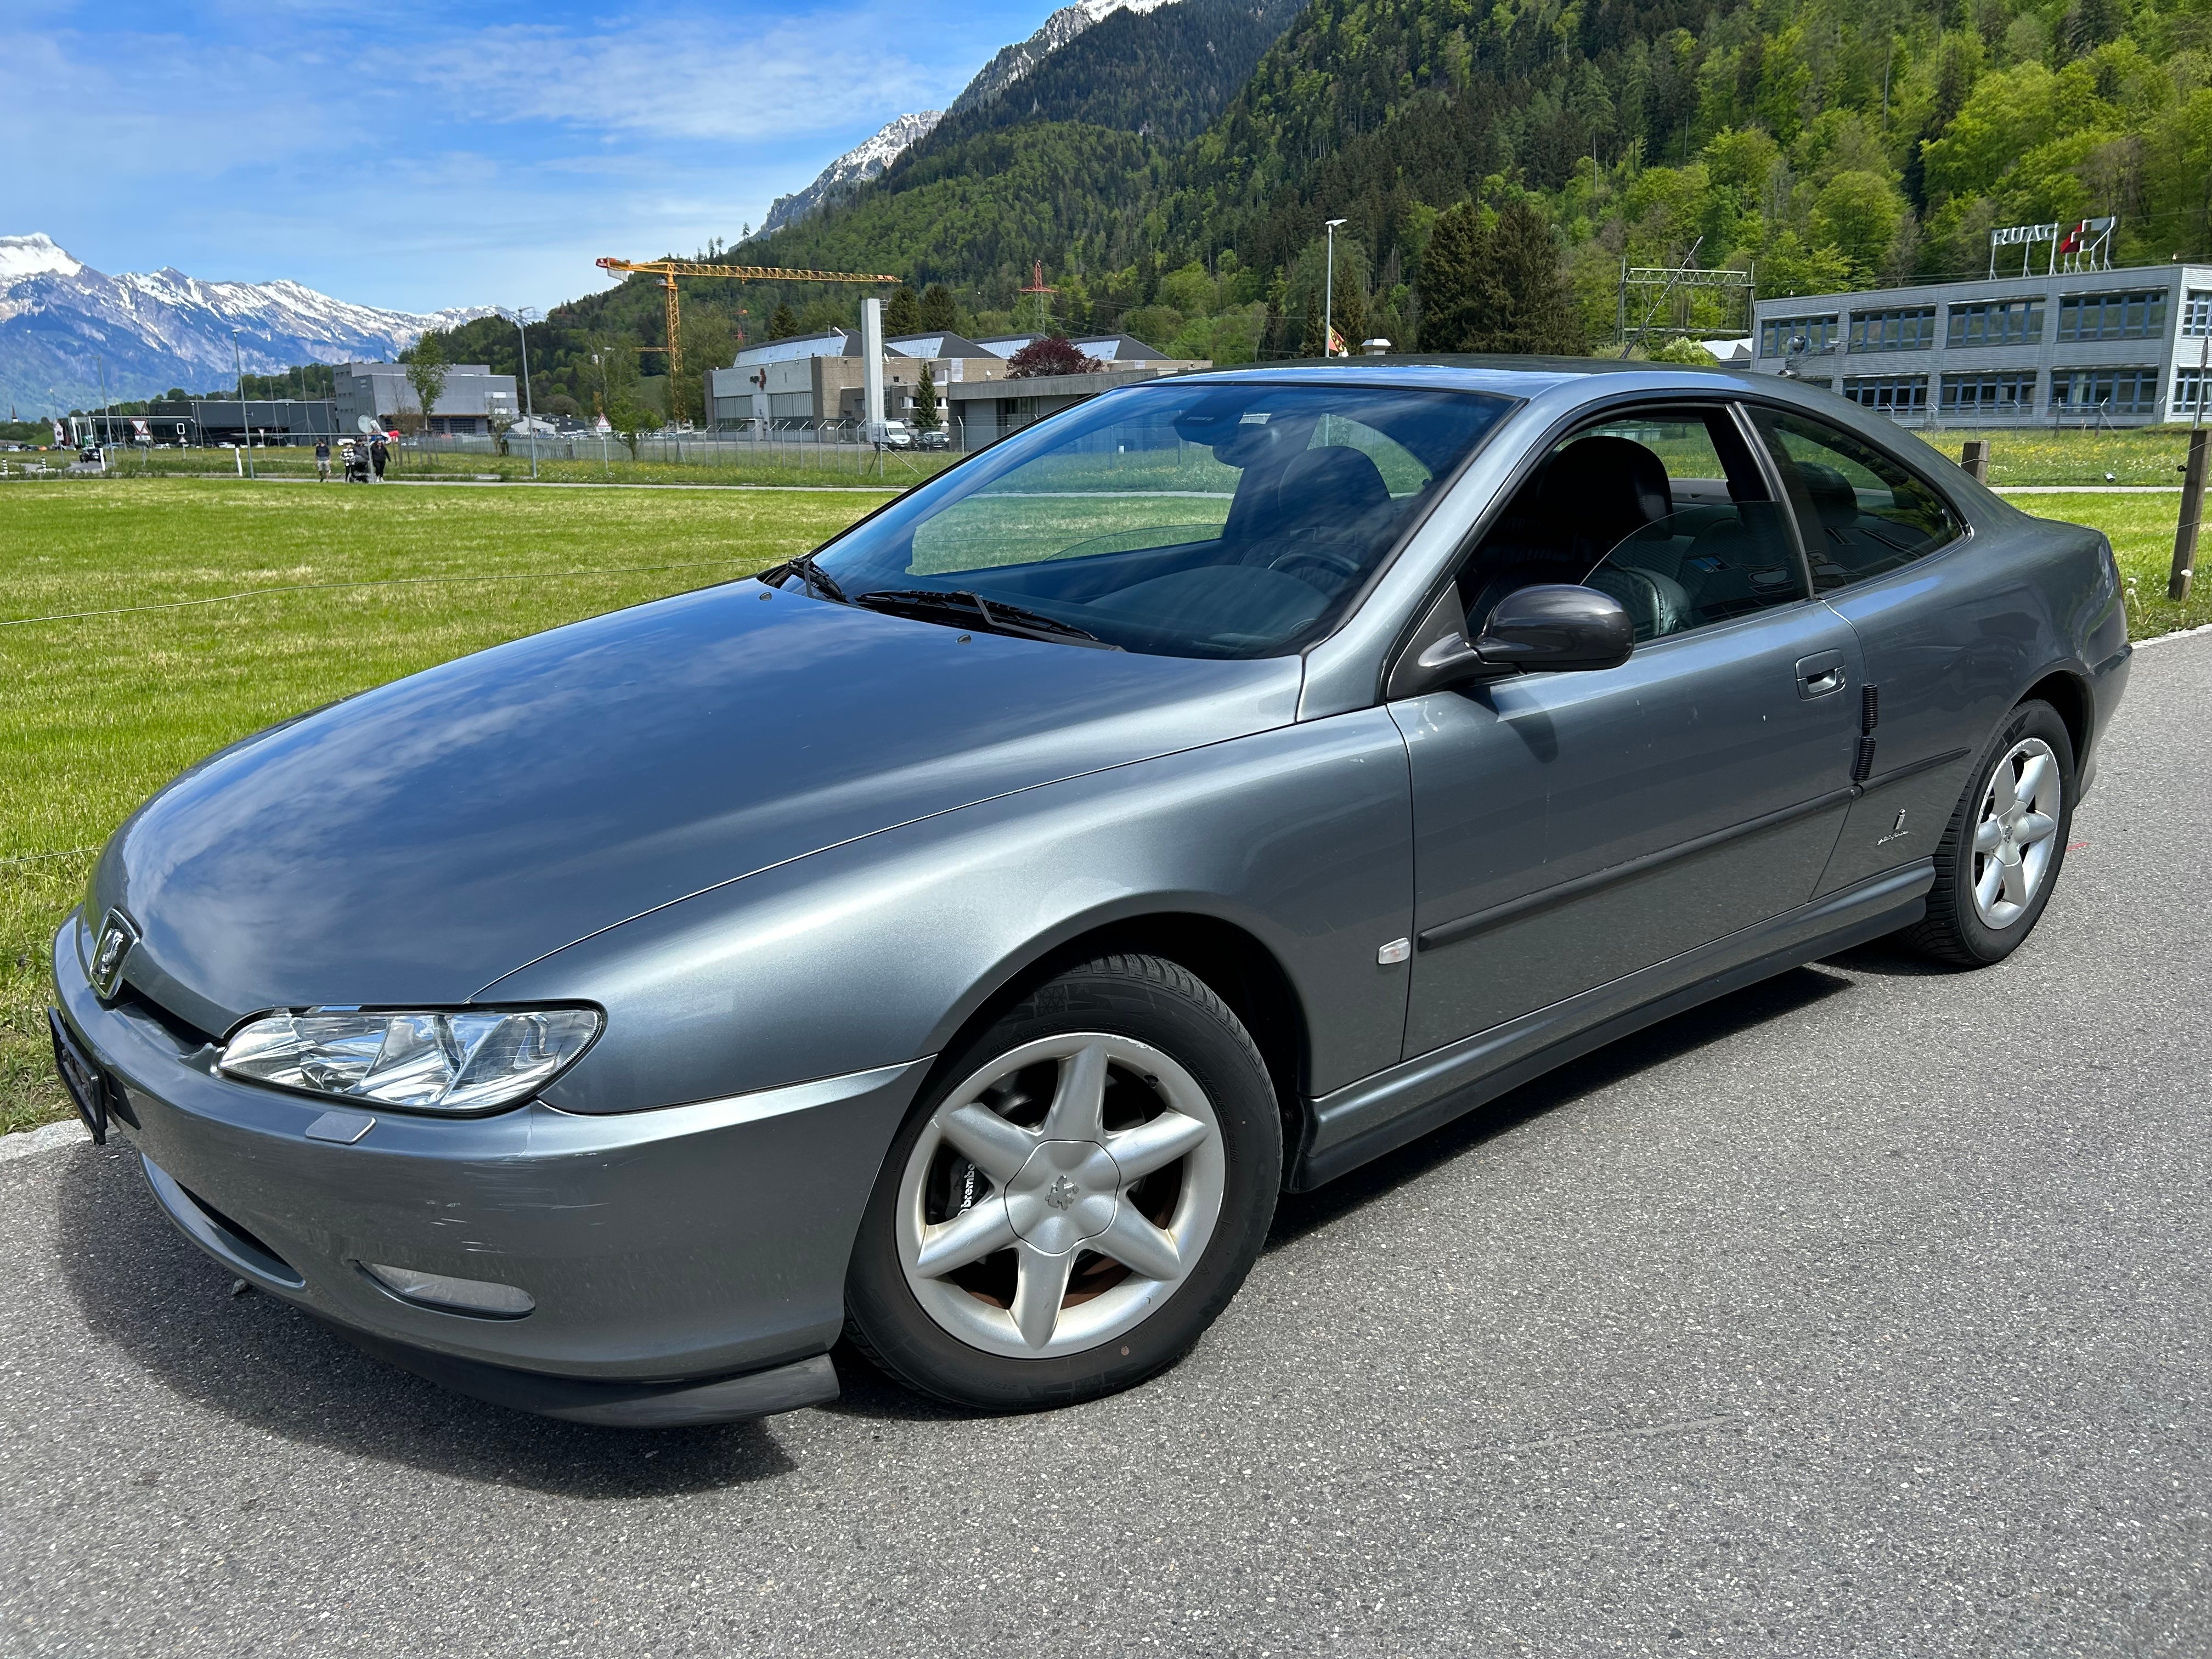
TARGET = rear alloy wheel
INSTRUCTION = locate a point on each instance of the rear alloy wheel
(2001, 853)
(1072, 1211)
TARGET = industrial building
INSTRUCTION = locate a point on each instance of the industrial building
(190, 421)
(2058, 347)
(816, 380)
(989, 410)
(474, 400)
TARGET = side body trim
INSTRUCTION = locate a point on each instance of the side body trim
(1901, 774)
(1382, 1113)
(1450, 932)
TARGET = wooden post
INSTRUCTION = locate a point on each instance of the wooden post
(1974, 460)
(2192, 515)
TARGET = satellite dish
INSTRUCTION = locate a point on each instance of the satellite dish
(364, 422)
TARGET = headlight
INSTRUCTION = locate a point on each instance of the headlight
(426, 1062)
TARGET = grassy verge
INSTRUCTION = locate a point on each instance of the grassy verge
(2142, 532)
(102, 710)
(99, 711)
(796, 464)
(2029, 455)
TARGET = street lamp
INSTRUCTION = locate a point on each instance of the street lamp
(518, 317)
(245, 424)
(1329, 291)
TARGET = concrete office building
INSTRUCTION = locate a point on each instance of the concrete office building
(474, 401)
(2120, 348)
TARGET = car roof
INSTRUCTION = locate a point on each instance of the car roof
(1515, 376)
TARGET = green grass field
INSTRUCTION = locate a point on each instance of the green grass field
(100, 710)
(349, 588)
(792, 463)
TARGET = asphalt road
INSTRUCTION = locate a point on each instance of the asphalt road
(1864, 1312)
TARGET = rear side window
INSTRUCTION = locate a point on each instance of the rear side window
(1862, 512)
(1665, 509)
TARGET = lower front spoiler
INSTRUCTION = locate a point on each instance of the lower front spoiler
(615, 1404)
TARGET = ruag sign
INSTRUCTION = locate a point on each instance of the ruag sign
(2085, 244)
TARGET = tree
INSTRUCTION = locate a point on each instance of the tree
(427, 370)
(939, 312)
(1458, 296)
(1857, 214)
(904, 314)
(709, 342)
(1537, 313)
(1350, 308)
(783, 322)
(628, 420)
(925, 400)
(1050, 356)
(1499, 291)
(1311, 343)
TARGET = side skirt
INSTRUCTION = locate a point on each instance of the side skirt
(1380, 1114)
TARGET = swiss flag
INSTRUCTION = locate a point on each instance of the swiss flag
(2072, 241)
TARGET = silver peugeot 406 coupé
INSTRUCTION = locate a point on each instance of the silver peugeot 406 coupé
(950, 943)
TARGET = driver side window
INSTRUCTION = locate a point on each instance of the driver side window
(1665, 510)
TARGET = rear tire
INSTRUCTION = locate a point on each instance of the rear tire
(2005, 845)
(1075, 1201)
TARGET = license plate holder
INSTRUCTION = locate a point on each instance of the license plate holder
(81, 1075)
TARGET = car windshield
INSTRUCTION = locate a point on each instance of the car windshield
(1180, 519)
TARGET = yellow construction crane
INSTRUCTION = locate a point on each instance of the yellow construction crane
(669, 269)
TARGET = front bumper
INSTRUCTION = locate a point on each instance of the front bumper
(663, 1249)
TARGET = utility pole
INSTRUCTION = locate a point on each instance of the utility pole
(245, 424)
(529, 411)
(1328, 293)
(2192, 488)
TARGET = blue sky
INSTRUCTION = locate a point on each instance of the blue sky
(420, 156)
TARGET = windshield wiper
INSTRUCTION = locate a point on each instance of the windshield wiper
(813, 575)
(996, 616)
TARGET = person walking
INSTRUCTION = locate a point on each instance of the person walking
(379, 453)
(322, 460)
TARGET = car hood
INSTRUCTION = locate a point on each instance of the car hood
(417, 842)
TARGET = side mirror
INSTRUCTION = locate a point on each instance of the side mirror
(1535, 629)
(1556, 627)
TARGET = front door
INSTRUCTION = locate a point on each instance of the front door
(1572, 828)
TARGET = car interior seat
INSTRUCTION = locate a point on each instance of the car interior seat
(1594, 495)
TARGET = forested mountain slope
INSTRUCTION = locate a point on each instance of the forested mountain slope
(1822, 144)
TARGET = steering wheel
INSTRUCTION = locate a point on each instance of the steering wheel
(1340, 564)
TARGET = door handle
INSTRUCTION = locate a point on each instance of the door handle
(1820, 675)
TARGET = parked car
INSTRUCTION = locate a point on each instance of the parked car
(933, 437)
(897, 434)
(955, 939)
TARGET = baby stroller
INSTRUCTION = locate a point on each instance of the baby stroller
(355, 457)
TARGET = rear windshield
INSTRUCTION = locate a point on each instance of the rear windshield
(1179, 519)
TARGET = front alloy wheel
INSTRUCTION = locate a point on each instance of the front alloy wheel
(1069, 1212)
(1060, 1194)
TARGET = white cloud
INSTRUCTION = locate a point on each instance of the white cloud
(680, 78)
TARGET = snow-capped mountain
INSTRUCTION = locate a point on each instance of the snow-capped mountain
(1063, 25)
(854, 167)
(61, 321)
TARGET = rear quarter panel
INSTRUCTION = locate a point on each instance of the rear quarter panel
(1953, 641)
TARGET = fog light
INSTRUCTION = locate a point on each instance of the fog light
(480, 1296)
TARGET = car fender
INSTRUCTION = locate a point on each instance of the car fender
(878, 952)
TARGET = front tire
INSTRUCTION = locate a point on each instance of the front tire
(1069, 1209)
(2003, 850)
